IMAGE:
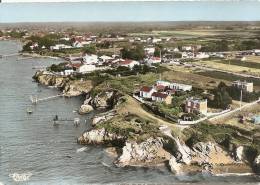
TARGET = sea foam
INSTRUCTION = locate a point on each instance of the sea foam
(81, 149)
(20, 177)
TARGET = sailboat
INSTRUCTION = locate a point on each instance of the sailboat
(29, 110)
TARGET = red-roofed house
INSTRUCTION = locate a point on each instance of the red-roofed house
(146, 92)
(161, 97)
(128, 63)
(74, 65)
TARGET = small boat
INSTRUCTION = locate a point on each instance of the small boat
(29, 111)
(76, 122)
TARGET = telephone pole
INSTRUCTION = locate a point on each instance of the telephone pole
(241, 93)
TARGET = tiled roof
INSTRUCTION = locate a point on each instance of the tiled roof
(160, 95)
(126, 62)
(146, 89)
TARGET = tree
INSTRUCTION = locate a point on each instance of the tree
(222, 98)
(157, 52)
(89, 49)
(135, 53)
(1, 33)
(26, 47)
(216, 46)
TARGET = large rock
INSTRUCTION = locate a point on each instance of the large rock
(100, 118)
(105, 99)
(77, 87)
(256, 164)
(69, 87)
(239, 154)
(174, 165)
(146, 152)
(85, 109)
(210, 153)
(183, 152)
(99, 136)
(50, 79)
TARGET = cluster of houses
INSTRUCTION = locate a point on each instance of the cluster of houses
(91, 62)
(162, 92)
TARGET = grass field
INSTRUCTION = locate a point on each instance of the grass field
(229, 67)
(249, 64)
(185, 75)
(228, 77)
(254, 59)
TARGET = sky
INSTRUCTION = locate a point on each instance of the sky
(129, 11)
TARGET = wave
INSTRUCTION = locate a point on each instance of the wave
(20, 177)
(105, 164)
(1, 183)
(234, 174)
(81, 149)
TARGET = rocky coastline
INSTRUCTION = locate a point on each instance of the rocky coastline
(144, 142)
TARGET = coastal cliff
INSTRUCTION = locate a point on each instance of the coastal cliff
(143, 143)
(145, 140)
(69, 87)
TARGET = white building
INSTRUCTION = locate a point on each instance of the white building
(176, 50)
(245, 86)
(105, 58)
(256, 51)
(146, 92)
(182, 87)
(149, 51)
(60, 46)
(68, 72)
(86, 68)
(128, 63)
(34, 45)
(187, 55)
(163, 83)
(156, 40)
(65, 38)
(90, 59)
(154, 60)
(187, 48)
(202, 55)
(195, 105)
(77, 44)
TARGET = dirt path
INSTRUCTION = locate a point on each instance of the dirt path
(134, 107)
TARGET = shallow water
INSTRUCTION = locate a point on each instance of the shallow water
(31, 145)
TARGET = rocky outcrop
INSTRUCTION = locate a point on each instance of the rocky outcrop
(69, 87)
(106, 99)
(175, 166)
(99, 136)
(103, 117)
(183, 152)
(239, 154)
(256, 164)
(147, 152)
(50, 79)
(210, 153)
(77, 87)
(85, 109)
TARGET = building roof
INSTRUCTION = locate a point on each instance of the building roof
(125, 62)
(156, 58)
(159, 95)
(76, 65)
(146, 89)
(160, 87)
